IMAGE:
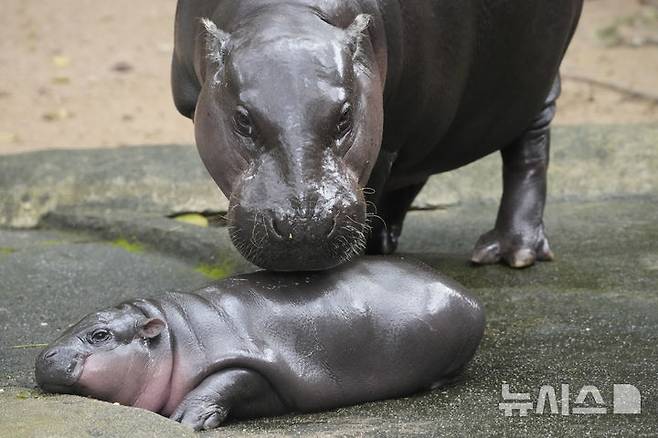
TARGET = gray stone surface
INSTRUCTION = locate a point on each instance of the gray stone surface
(586, 162)
(164, 179)
(27, 413)
(589, 318)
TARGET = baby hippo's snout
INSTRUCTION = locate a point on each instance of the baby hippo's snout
(57, 369)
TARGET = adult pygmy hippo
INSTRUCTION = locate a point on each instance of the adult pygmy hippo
(305, 111)
(265, 343)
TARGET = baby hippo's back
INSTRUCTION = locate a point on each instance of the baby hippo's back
(373, 329)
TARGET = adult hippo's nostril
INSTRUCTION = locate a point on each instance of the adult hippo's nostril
(303, 228)
(282, 227)
(50, 353)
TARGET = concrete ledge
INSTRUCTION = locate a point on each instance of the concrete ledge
(30, 413)
(590, 162)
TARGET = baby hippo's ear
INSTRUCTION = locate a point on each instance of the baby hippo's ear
(151, 328)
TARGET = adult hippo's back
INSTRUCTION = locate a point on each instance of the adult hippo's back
(307, 111)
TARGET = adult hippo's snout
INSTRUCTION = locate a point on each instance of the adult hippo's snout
(286, 226)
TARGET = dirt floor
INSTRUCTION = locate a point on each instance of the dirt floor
(88, 74)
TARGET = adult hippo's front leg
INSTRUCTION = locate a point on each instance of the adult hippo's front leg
(519, 237)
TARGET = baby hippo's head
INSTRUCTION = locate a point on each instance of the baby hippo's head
(108, 355)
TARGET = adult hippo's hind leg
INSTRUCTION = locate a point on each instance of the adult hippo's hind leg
(519, 237)
(387, 223)
(239, 393)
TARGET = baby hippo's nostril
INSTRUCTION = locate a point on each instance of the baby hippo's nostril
(50, 354)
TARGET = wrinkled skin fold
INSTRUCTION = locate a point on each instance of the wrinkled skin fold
(322, 120)
(265, 344)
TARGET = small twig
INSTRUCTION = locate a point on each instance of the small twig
(633, 94)
(26, 346)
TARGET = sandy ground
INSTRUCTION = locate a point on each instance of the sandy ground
(88, 73)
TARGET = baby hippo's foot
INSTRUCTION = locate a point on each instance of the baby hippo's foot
(518, 250)
(200, 412)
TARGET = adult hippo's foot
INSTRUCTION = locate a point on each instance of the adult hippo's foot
(518, 238)
(518, 251)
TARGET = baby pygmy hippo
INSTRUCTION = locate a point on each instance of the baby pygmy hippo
(267, 343)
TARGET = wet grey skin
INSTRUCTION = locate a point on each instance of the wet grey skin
(321, 120)
(269, 343)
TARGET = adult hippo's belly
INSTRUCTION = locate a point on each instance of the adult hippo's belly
(322, 120)
(269, 343)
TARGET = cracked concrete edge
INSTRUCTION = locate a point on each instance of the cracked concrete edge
(588, 163)
(27, 412)
(164, 179)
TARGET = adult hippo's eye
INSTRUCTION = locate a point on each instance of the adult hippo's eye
(242, 123)
(345, 122)
(99, 336)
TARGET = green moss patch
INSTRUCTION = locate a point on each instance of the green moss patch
(215, 272)
(126, 245)
(5, 250)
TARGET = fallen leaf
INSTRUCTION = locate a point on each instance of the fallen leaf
(57, 115)
(61, 61)
(61, 80)
(193, 219)
(8, 137)
(122, 67)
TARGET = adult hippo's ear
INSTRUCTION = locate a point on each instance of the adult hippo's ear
(356, 33)
(217, 42)
(151, 328)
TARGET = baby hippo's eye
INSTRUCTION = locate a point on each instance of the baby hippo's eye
(242, 123)
(99, 336)
(345, 122)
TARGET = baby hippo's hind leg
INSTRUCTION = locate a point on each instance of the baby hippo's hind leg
(239, 393)
(519, 237)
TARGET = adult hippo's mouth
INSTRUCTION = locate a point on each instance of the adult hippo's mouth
(318, 230)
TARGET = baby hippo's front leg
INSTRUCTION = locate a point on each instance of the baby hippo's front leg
(240, 393)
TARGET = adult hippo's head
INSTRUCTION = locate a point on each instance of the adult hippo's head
(289, 124)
